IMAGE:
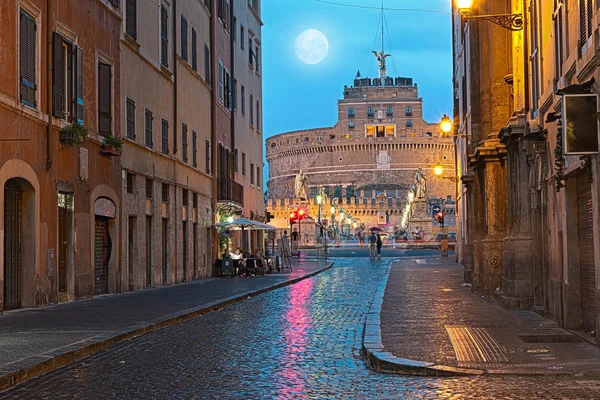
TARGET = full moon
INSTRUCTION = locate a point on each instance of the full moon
(311, 46)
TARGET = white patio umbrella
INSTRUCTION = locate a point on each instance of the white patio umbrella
(244, 224)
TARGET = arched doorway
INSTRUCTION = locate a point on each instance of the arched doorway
(19, 243)
(105, 211)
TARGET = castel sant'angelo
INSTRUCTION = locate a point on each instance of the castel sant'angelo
(367, 162)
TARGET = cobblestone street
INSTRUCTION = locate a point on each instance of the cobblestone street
(301, 341)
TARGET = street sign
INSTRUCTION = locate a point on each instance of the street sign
(580, 121)
(436, 209)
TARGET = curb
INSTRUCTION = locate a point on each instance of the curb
(37, 368)
(380, 360)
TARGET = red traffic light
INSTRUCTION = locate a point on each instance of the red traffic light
(293, 216)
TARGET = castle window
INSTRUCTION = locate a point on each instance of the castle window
(351, 124)
(409, 123)
(273, 145)
(390, 111)
(428, 134)
(331, 136)
(409, 111)
(370, 112)
(351, 112)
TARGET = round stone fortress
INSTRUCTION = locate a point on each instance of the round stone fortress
(368, 160)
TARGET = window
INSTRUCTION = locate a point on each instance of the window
(535, 51)
(227, 89)
(370, 112)
(257, 116)
(235, 160)
(130, 182)
(586, 11)
(184, 142)
(251, 111)
(165, 193)
(207, 157)
(27, 59)
(409, 111)
(165, 136)
(256, 58)
(184, 39)
(67, 89)
(194, 50)
(149, 188)
(558, 38)
(235, 83)
(243, 164)
(390, 111)
(243, 94)
(194, 149)
(221, 81)
(409, 123)
(428, 134)
(351, 112)
(208, 4)
(148, 120)
(250, 52)
(258, 176)
(131, 18)
(195, 200)
(242, 37)
(207, 65)
(252, 173)
(164, 36)
(130, 119)
(104, 99)
(185, 198)
(351, 124)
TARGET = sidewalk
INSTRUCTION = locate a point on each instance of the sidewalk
(428, 323)
(33, 341)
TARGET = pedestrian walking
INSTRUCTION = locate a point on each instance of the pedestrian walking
(372, 242)
(379, 244)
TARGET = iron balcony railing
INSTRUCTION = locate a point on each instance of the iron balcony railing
(229, 190)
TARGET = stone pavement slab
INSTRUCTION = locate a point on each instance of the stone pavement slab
(33, 341)
(428, 316)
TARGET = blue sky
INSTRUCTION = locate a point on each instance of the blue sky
(299, 96)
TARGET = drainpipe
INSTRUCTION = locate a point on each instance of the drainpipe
(213, 137)
(49, 82)
(175, 125)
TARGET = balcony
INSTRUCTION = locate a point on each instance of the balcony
(229, 191)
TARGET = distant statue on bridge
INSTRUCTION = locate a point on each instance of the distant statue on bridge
(421, 184)
(300, 186)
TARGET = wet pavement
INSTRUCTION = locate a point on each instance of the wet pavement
(300, 341)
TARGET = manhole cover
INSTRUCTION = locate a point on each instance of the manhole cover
(550, 339)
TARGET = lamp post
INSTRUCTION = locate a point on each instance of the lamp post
(512, 22)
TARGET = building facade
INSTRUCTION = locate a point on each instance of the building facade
(166, 125)
(367, 162)
(550, 260)
(60, 202)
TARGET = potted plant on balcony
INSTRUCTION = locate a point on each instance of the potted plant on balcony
(73, 134)
(111, 146)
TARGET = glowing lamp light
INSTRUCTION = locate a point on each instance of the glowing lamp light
(446, 124)
(355, 225)
(349, 221)
(332, 209)
(230, 219)
(411, 196)
(319, 199)
(342, 215)
(464, 6)
(301, 212)
(438, 169)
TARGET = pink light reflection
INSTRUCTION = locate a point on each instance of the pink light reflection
(296, 325)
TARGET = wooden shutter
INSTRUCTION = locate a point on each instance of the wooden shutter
(131, 18)
(184, 41)
(164, 37)
(582, 22)
(79, 84)
(184, 142)
(590, 12)
(104, 99)
(194, 50)
(58, 77)
(27, 59)
(207, 64)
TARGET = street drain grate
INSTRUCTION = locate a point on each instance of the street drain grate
(550, 339)
(474, 344)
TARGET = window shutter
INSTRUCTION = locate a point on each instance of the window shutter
(58, 79)
(194, 50)
(104, 100)
(582, 22)
(131, 18)
(184, 41)
(207, 64)
(27, 58)
(79, 84)
(590, 12)
(164, 37)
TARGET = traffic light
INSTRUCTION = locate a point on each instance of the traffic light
(440, 218)
(301, 214)
(293, 217)
(269, 216)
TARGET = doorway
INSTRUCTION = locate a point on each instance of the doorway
(65, 235)
(102, 251)
(13, 208)
(586, 252)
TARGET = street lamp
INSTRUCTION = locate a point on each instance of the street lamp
(446, 125)
(411, 196)
(438, 169)
(512, 22)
